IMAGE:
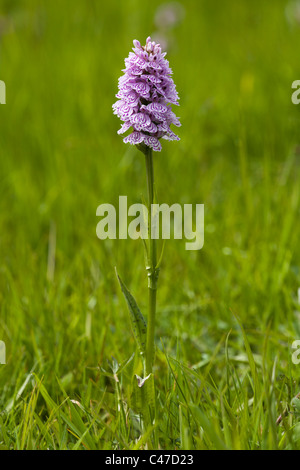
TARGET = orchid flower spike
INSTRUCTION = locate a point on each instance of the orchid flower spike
(146, 93)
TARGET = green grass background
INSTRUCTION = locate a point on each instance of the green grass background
(60, 157)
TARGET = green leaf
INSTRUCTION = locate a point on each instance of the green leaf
(296, 404)
(136, 398)
(125, 363)
(257, 391)
(72, 419)
(143, 396)
(208, 428)
(138, 322)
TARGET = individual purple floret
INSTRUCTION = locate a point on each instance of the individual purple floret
(146, 93)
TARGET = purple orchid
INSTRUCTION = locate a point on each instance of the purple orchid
(146, 93)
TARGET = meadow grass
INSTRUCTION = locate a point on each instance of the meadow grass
(228, 314)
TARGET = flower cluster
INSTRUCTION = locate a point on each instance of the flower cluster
(146, 92)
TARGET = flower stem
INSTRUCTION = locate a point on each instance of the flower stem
(151, 268)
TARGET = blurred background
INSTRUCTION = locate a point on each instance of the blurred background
(60, 158)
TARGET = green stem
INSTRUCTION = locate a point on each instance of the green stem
(151, 268)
